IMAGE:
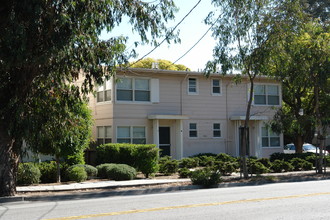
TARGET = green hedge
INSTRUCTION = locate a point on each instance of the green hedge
(77, 173)
(142, 157)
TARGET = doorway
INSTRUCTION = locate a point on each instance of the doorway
(165, 141)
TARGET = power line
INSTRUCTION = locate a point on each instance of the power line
(167, 35)
(196, 42)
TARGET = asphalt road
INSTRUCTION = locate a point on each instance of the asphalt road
(302, 200)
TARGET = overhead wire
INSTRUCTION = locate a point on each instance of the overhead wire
(166, 35)
(197, 41)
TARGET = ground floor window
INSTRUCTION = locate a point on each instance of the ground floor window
(192, 129)
(104, 134)
(131, 134)
(270, 138)
(216, 130)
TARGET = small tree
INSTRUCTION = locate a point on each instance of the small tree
(61, 126)
(240, 46)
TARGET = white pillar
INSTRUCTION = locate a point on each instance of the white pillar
(179, 139)
(155, 132)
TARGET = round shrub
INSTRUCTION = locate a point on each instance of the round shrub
(121, 172)
(257, 167)
(189, 162)
(169, 167)
(206, 161)
(205, 177)
(279, 166)
(225, 157)
(76, 173)
(226, 168)
(90, 170)
(265, 161)
(28, 173)
(297, 163)
(184, 172)
(307, 165)
(102, 170)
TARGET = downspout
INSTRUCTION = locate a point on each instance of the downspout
(181, 94)
(227, 124)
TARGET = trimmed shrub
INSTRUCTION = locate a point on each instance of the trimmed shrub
(102, 170)
(307, 165)
(76, 173)
(279, 166)
(225, 158)
(48, 171)
(90, 170)
(204, 154)
(189, 162)
(205, 177)
(116, 171)
(226, 168)
(256, 167)
(27, 174)
(168, 167)
(265, 161)
(184, 172)
(206, 161)
(143, 157)
(120, 172)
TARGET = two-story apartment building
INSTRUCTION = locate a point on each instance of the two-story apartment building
(184, 113)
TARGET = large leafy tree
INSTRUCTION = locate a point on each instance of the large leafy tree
(299, 51)
(240, 46)
(162, 64)
(44, 41)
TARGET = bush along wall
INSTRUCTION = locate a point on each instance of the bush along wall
(143, 157)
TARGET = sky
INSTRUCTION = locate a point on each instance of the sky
(191, 30)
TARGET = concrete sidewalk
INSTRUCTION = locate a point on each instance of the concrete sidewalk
(96, 185)
(101, 189)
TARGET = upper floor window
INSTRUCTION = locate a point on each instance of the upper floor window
(216, 87)
(266, 95)
(192, 129)
(192, 86)
(104, 134)
(131, 89)
(269, 138)
(129, 134)
(104, 92)
(216, 130)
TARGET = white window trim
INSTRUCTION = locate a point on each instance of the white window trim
(197, 86)
(103, 90)
(131, 132)
(220, 84)
(267, 84)
(192, 130)
(269, 147)
(133, 90)
(214, 130)
(104, 136)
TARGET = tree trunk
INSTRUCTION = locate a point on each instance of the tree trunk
(8, 163)
(298, 143)
(58, 173)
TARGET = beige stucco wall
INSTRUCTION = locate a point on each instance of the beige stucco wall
(203, 109)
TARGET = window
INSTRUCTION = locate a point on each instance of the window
(216, 130)
(269, 138)
(192, 130)
(216, 87)
(130, 89)
(104, 134)
(192, 86)
(128, 134)
(266, 95)
(104, 92)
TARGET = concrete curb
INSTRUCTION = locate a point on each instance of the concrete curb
(115, 191)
